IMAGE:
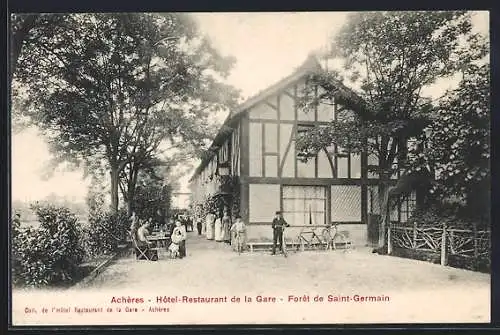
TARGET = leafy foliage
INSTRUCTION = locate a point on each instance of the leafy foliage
(16, 265)
(48, 254)
(456, 145)
(452, 214)
(392, 56)
(104, 233)
(24, 26)
(150, 197)
(115, 87)
(211, 205)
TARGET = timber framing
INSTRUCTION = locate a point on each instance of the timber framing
(271, 121)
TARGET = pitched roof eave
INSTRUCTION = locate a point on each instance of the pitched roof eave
(310, 66)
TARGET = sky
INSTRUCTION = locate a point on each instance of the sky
(267, 47)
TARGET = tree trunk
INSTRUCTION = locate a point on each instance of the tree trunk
(114, 173)
(383, 195)
(129, 207)
(130, 199)
(17, 40)
(131, 185)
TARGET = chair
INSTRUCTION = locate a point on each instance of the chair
(150, 254)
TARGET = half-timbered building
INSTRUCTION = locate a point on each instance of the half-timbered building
(256, 144)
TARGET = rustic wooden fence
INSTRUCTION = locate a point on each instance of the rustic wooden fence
(471, 244)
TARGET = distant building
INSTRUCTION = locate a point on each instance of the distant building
(256, 144)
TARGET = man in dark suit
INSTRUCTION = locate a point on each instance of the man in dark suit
(278, 226)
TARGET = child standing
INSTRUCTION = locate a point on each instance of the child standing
(179, 238)
(239, 230)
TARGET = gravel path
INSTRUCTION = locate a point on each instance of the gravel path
(418, 291)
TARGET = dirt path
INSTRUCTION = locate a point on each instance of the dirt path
(417, 291)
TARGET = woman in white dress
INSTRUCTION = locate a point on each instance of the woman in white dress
(218, 230)
(226, 226)
(210, 226)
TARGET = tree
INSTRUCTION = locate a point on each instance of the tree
(152, 195)
(21, 25)
(157, 148)
(456, 145)
(393, 56)
(25, 28)
(111, 87)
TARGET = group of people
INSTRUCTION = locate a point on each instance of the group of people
(218, 229)
(221, 229)
(141, 232)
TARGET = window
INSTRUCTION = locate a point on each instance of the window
(408, 206)
(304, 204)
(344, 114)
(346, 203)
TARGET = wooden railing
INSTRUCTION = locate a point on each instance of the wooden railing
(446, 241)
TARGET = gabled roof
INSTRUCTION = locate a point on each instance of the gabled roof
(310, 66)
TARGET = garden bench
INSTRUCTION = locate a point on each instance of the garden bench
(292, 244)
(267, 245)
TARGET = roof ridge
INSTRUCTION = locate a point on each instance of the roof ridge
(310, 64)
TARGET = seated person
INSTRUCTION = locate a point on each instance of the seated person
(142, 238)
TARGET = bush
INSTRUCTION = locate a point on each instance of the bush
(455, 216)
(105, 232)
(50, 253)
(15, 256)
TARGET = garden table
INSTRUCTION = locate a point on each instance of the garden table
(160, 239)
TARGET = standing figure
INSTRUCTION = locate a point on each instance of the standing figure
(226, 226)
(278, 225)
(218, 229)
(204, 224)
(173, 248)
(134, 225)
(199, 225)
(238, 229)
(179, 237)
(210, 225)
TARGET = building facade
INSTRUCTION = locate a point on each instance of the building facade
(256, 145)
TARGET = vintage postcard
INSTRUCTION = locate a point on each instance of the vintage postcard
(250, 168)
